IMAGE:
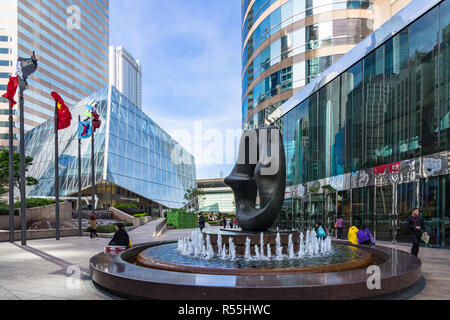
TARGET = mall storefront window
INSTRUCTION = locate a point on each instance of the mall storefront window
(371, 142)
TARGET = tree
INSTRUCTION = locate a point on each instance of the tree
(193, 197)
(4, 171)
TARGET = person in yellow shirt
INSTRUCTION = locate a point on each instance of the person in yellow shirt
(353, 235)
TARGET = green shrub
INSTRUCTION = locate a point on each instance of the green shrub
(30, 203)
(182, 219)
(4, 210)
(106, 229)
(111, 228)
(141, 215)
(36, 203)
(213, 222)
(126, 205)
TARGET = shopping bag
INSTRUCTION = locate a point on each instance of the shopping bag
(425, 238)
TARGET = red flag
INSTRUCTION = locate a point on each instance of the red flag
(64, 115)
(96, 122)
(11, 90)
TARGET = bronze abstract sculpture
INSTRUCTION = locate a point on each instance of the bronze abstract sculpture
(259, 171)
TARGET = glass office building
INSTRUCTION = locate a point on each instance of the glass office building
(135, 160)
(287, 43)
(71, 40)
(218, 198)
(369, 139)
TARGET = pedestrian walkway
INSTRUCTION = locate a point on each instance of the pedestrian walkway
(435, 271)
(43, 270)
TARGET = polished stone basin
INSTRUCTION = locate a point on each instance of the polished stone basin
(120, 275)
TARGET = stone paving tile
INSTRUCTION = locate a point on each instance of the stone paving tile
(24, 295)
(7, 294)
(435, 270)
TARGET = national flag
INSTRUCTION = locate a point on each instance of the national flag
(64, 115)
(88, 114)
(96, 122)
(84, 130)
(11, 90)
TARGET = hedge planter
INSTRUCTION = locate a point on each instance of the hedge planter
(182, 219)
(46, 213)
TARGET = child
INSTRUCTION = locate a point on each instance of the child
(320, 231)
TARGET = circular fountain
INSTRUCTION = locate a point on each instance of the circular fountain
(194, 268)
(256, 263)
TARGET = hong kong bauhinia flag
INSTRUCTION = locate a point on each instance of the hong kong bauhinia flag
(84, 130)
(64, 115)
(11, 90)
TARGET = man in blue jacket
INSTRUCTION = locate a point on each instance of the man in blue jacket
(416, 227)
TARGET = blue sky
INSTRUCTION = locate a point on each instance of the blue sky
(190, 54)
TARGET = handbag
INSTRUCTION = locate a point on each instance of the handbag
(425, 238)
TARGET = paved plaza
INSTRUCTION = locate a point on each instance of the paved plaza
(43, 270)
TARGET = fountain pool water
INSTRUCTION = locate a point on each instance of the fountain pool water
(199, 251)
(194, 247)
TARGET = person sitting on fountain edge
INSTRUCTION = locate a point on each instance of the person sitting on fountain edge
(353, 235)
(120, 238)
(364, 236)
(320, 231)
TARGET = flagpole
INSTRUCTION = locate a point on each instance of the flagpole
(11, 174)
(93, 171)
(79, 181)
(56, 173)
(25, 67)
(23, 206)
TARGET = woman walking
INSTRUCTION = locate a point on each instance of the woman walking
(93, 227)
(339, 226)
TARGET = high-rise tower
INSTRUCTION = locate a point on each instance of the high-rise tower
(71, 40)
(287, 43)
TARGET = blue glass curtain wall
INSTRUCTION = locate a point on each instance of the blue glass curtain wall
(389, 107)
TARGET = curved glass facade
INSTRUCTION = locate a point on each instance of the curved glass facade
(376, 134)
(136, 161)
(286, 44)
